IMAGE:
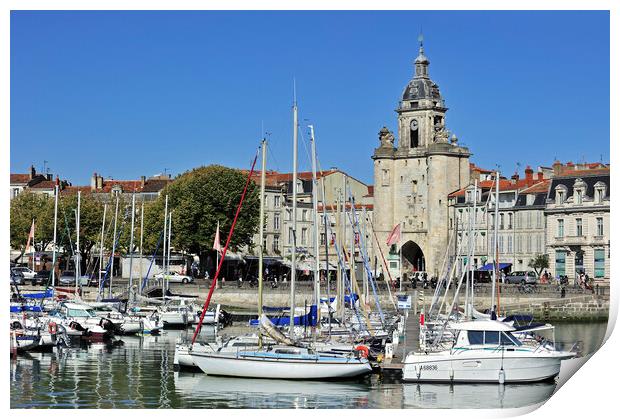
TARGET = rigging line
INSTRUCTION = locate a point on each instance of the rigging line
(355, 223)
(228, 238)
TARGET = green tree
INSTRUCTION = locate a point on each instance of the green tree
(539, 263)
(91, 216)
(24, 208)
(199, 199)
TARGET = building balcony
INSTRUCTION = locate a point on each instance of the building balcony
(570, 240)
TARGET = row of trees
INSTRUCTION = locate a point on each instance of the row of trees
(198, 199)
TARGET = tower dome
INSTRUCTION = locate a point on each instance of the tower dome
(421, 86)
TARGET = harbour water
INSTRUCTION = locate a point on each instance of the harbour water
(137, 372)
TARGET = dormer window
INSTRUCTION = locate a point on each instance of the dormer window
(560, 194)
(600, 190)
(529, 199)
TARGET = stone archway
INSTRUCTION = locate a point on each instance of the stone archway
(413, 257)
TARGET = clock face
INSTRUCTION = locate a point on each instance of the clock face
(414, 124)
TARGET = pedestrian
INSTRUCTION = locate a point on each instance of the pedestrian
(240, 281)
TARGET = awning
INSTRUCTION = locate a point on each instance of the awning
(489, 266)
(267, 260)
(234, 256)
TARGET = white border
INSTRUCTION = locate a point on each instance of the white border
(591, 392)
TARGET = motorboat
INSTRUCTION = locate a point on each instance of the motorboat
(485, 351)
(82, 320)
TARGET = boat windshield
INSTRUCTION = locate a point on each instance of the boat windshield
(478, 337)
(78, 312)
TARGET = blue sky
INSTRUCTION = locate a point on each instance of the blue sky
(126, 94)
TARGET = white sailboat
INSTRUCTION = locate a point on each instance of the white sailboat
(281, 361)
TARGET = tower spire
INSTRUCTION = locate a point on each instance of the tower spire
(421, 62)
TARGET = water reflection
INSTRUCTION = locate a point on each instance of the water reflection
(200, 390)
(475, 396)
(137, 372)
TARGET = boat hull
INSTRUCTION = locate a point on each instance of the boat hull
(291, 369)
(509, 367)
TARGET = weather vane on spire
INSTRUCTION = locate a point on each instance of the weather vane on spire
(421, 38)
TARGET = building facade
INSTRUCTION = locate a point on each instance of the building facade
(577, 212)
(412, 178)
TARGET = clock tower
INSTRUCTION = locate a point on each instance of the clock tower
(414, 177)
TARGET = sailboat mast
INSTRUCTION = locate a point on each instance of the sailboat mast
(261, 240)
(163, 251)
(133, 216)
(327, 282)
(473, 247)
(77, 243)
(495, 273)
(113, 249)
(315, 207)
(33, 246)
(169, 242)
(141, 241)
(294, 250)
(55, 229)
(105, 209)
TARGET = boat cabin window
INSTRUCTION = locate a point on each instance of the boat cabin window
(477, 337)
(243, 344)
(287, 351)
(78, 312)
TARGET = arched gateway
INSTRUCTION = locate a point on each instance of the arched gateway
(413, 257)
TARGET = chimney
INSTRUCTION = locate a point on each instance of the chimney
(99, 182)
(142, 181)
(557, 168)
(48, 176)
(33, 172)
(540, 176)
(514, 178)
(57, 181)
(93, 182)
(529, 174)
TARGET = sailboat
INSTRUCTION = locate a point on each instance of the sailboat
(286, 359)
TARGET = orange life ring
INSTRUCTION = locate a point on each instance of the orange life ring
(52, 327)
(363, 349)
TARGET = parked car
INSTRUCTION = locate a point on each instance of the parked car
(522, 277)
(17, 278)
(25, 271)
(174, 277)
(67, 278)
(40, 278)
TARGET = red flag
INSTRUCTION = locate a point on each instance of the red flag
(30, 236)
(216, 241)
(394, 236)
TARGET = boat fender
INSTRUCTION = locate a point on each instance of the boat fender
(363, 350)
(502, 376)
(52, 327)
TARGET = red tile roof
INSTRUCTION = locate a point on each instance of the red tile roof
(540, 187)
(472, 166)
(584, 172)
(45, 184)
(71, 190)
(20, 178)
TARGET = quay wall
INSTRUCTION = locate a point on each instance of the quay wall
(545, 303)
